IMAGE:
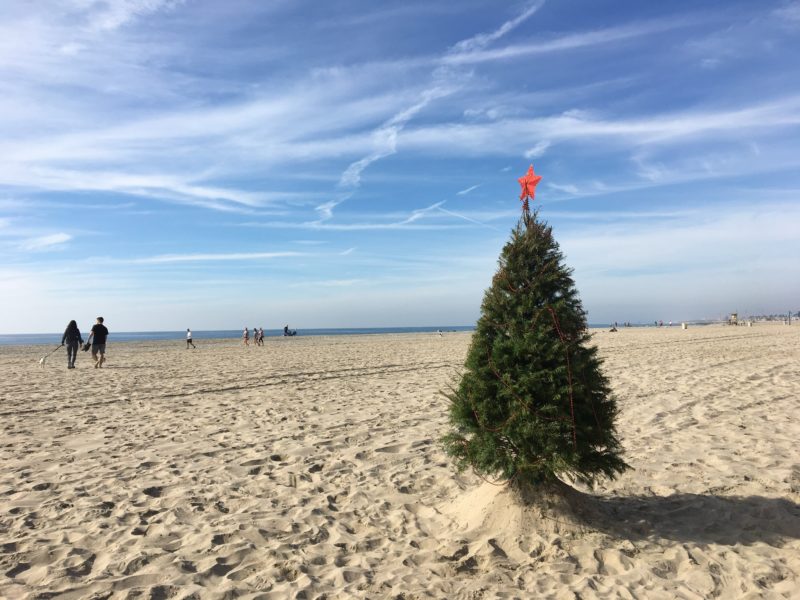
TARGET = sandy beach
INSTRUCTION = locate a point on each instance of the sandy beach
(310, 468)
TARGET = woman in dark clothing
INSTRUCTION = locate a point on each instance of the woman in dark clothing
(73, 339)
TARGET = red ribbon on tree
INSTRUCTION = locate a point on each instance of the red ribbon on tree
(528, 183)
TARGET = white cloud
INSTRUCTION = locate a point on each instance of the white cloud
(467, 190)
(207, 257)
(164, 186)
(481, 40)
(710, 237)
(333, 283)
(309, 242)
(325, 210)
(44, 242)
(566, 42)
(112, 14)
(569, 188)
(261, 134)
(709, 261)
(538, 150)
(410, 222)
(386, 136)
(465, 218)
(789, 12)
(71, 49)
(709, 125)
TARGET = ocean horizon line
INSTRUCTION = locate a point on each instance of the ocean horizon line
(25, 339)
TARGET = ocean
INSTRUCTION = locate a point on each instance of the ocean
(26, 339)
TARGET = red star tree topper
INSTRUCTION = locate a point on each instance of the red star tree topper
(528, 183)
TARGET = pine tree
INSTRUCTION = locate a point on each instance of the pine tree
(533, 403)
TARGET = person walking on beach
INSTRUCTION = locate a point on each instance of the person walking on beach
(246, 336)
(260, 336)
(189, 341)
(98, 340)
(73, 339)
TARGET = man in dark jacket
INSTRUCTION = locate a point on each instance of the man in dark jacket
(98, 340)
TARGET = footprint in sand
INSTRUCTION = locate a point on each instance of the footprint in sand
(391, 449)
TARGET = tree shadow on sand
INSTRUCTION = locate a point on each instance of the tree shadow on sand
(705, 519)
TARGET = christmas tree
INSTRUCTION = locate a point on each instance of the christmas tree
(533, 403)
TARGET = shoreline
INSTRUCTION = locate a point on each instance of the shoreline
(44, 339)
(21, 339)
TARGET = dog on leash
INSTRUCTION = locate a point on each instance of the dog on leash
(43, 360)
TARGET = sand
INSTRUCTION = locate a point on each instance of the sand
(311, 468)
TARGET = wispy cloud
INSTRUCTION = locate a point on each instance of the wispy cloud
(353, 226)
(446, 83)
(207, 257)
(112, 14)
(538, 150)
(709, 237)
(465, 218)
(273, 130)
(44, 242)
(331, 283)
(661, 128)
(567, 42)
(310, 242)
(789, 11)
(325, 210)
(411, 222)
(467, 190)
(481, 40)
(676, 172)
(385, 137)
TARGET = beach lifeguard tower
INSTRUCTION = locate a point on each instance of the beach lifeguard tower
(733, 319)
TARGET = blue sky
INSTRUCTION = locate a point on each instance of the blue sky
(209, 164)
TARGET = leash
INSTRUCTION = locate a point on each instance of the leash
(51, 351)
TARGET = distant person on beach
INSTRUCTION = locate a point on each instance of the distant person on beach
(98, 340)
(73, 339)
(288, 333)
(260, 336)
(189, 341)
(246, 336)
